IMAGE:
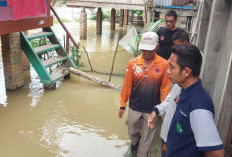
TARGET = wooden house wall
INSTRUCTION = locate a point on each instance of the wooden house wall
(8, 25)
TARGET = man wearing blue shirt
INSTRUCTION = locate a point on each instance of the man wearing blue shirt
(192, 131)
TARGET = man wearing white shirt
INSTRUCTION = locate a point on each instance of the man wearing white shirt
(168, 106)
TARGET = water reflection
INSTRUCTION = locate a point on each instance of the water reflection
(71, 139)
(79, 118)
(36, 89)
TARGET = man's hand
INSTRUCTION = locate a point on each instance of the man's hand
(165, 148)
(150, 121)
(162, 116)
(120, 113)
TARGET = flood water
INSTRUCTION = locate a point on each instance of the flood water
(79, 118)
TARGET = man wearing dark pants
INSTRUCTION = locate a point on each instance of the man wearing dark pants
(165, 35)
(192, 132)
(146, 84)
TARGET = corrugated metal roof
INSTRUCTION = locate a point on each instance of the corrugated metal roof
(162, 2)
(174, 2)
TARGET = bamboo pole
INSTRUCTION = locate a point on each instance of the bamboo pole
(92, 78)
(88, 58)
(112, 68)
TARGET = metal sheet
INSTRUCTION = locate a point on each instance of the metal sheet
(162, 2)
(174, 2)
(183, 2)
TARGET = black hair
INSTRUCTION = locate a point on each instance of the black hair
(188, 56)
(171, 13)
(180, 35)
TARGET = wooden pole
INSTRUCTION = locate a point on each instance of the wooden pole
(137, 50)
(92, 78)
(145, 14)
(88, 58)
(112, 68)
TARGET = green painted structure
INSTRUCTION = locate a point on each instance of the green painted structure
(50, 60)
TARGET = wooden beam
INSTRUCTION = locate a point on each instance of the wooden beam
(12, 26)
(89, 4)
(92, 78)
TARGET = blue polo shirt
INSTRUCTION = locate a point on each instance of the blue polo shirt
(192, 130)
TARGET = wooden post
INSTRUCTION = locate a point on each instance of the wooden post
(88, 58)
(148, 15)
(126, 12)
(112, 68)
(132, 17)
(121, 17)
(112, 21)
(50, 86)
(99, 21)
(83, 25)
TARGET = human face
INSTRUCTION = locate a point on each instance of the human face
(178, 42)
(148, 55)
(174, 72)
(170, 22)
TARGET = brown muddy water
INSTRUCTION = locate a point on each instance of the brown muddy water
(79, 118)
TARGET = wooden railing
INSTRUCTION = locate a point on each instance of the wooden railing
(68, 35)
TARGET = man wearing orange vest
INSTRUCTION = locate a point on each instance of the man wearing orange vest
(146, 84)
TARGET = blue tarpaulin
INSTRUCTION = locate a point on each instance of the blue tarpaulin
(3, 4)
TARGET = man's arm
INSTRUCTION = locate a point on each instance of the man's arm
(158, 110)
(216, 153)
(201, 121)
(162, 108)
(126, 90)
(164, 91)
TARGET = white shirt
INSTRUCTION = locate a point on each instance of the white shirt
(168, 108)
